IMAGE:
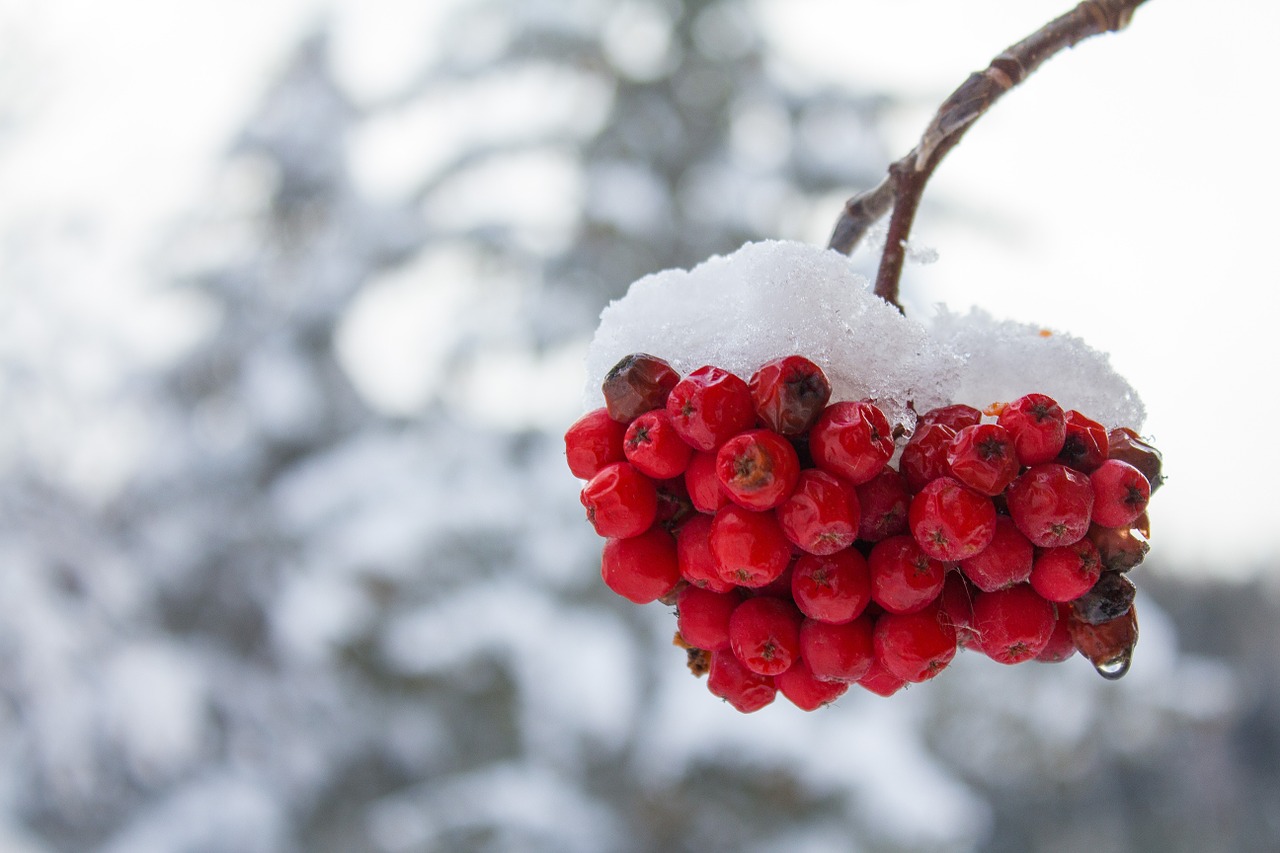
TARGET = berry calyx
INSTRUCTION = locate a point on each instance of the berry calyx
(1051, 504)
(1038, 426)
(1120, 493)
(789, 394)
(592, 442)
(764, 633)
(852, 440)
(620, 501)
(757, 469)
(638, 383)
(709, 406)
(820, 516)
(950, 521)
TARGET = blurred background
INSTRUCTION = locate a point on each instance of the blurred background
(294, 297)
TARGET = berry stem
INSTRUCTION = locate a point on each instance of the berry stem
(902, 188)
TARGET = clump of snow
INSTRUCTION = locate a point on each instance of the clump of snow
(776, 298)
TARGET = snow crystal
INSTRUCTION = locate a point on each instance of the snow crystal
(775, 298)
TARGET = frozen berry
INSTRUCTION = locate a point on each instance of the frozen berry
(1108, 645)
(951, 521)
(957, 416)
(592, 442)
(838, 652)
(982, 457)
(820, 516)
(1119, 549)
(637, 384)
(832, 588)
(651, 444)
(703, 485)
(1066, 572)
(1038, 426)
(620, 501)
(1005, 561)
(709, 406)
(764, 633)
(641, 568)
(1085, 445)
(1110, 598)
(903, 578)
(1051, 504)
(702, 617)
(789, 394)
(852, 440)
(758, 469)
(1120, 493)
(883, 501)
(924, 458)
(915, 646)
(1127, 446)
(749, 547)
(805, 690)
(745, 690)
(1013, 624)
(698, 565)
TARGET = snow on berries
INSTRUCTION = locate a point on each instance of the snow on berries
(833, 496)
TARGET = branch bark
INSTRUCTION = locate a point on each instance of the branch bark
(902, 189)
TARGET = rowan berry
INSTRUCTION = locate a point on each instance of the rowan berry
(982, 457)
(702, 617)
(703, 485)
(698, 565)
(745, 690)
(757, 469)
(880, 680)
(1013, 624)
(1060, 645)
(915, 646)
(1120, 493)
(620, 501)
(950, 521)
(903, 578)
(641, 568)
(709, 406)
(833, 588)
(1051, 504)
(852, 440)
(1107, 645)
(764, 633)
(957, 416)
(1066, 572)
(1119, 548)
(1085, 446)
(652, 445)
(924, 457)
(636, 384)
(883, 501)
(806, 691)
(592, 442)
(1127, 446)
(1005, 561)
(1038, 426)
(789, 394)
(1110, 598)
(750, 547)
(956, 603)
(841, 652)
(821, 515)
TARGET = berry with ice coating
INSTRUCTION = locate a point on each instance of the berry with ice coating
(1005, 561)
(1051, 504)
(757, 469)
(820, 516)
(709, 406)
(789, 394)
(1038, 426)
(841, 652)
(852, 440)
(834, 588)
(641, 568)
(745, 690)
(651, 444)
(592, 442)
(637, 384)
(915, 646)
(1013, 624)
(950, 521)
(750, 547)
(982, 457)
(903, 578)
(620, 501)
(764, 633)
(1120, 493)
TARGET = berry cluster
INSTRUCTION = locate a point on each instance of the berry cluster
(800, 558)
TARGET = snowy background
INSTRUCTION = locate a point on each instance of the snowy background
(294, 301)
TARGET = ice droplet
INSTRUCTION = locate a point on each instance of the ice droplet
(1116, 667)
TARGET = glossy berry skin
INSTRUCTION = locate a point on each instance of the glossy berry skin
(703, 485)
(638, 383)
(1051, 504)
(620, 501)
(702, 617)
(1110, 598)
(764, 633)
(1013, 624)
(838, 652)
(805, 690)
(1060, 646)
(757, 469)
(982, 457)
(821, 515)
(749, 547)
(915, 646)
(1119, 549)
(950, 521)
(851, 440)
(592, 442)
(881, 681)
(957, 416)
(1004, 562)
(1127, 446)
(1086, 445)
(883, 501)
(1038, 426)
(745, 690)
(924, 458)
(1066, 572)
(903, 578)
(833, 588)
(651, 444)
(1120, 493)
(789, 394)
(642, 568)
(709, 406)
(1107, 645)
(698, 565)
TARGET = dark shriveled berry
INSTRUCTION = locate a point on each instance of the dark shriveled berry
(1119, 549)
(1108, 645)
(789, 394)
(1110, 598)
(1085, 446)
(1127, 446)
(637, 384)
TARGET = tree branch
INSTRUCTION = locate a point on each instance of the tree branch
(905, 183)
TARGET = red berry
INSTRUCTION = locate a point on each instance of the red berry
(1050, 504)
(1013, 624)
(764, 633)
(758, 469)
(1066, 572)
(620, 501)
(883, 500)
(982, 457)
(592, 442)
(1120, 493)
(1006, 561)
(924, 458)
(957, 416)
(702, 617)
(880, 680)
(1060, 645)
(740, 687)
(1038, 426)
(820, 516)
(956, 602)
(1119, 549)
(704, 486)
(1085, 446)
(749, 547)
(903, 578)
(838, 652)
(698, 565)
(806, 691)
(789, 394)
(651, 444)
(832, 588)
(636, 384)
(852, 440)
(709, 406)
(951, 521)
(915, 646)
(642, 568)
(1127, 446)
(1110, 598)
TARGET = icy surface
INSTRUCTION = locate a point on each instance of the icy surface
(775, 298)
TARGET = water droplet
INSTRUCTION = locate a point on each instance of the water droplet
(1116, 667)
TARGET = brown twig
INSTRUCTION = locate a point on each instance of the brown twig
(902, 188)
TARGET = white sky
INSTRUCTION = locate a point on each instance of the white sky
(1122, 194)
